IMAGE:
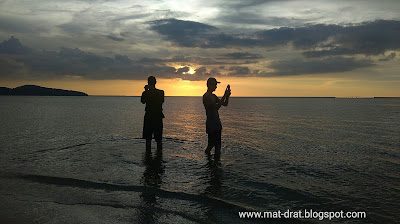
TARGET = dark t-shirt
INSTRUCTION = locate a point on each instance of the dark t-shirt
(213, 122)
(153, 98)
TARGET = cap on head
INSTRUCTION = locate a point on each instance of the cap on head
(151, 80)
(212, 81)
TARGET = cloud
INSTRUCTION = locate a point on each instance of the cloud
(73, 28)
(228, 60)
(201, 74)
(301, 38)
(178, 58)
(183, 69)
(13, 46)
(252, 18)
(239, 71)
(317, 66)
(112, 37)
(242, 55)
(236, 5)
(184, 33)
(194, 34)
(389, 57)
(132, 17)
(369, 38)
(15, 24)
(17, 59)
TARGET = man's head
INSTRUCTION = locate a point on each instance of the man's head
(212, 84)
(151, 81)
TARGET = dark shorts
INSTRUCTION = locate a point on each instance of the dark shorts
(214, 138)
(151, 126)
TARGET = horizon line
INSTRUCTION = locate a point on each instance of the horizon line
(336, 97)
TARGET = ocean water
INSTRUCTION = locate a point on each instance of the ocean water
(81, 160)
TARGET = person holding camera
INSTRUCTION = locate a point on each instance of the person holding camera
(213, 124)
(153, 123)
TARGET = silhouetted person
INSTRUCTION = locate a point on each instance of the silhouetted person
(213, 124)
(153, 123)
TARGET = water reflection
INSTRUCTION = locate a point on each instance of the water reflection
(152, 177)
(213, 189)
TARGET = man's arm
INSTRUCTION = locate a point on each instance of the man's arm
(143, 98)
(221, 102)
(208, 102)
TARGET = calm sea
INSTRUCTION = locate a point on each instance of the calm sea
(81, 160)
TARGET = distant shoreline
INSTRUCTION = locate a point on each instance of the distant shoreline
(33, 90)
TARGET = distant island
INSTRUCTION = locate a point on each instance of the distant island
(33, 90)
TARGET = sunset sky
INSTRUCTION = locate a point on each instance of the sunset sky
(347, 48)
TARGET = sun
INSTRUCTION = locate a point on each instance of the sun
(191, 71)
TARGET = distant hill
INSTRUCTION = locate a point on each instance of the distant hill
(32, 90)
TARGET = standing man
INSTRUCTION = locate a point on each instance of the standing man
(153, 123)
(213, 124)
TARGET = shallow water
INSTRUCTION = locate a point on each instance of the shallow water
(81, 159)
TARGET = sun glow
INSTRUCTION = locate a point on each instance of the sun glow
(184, 68)
(191, 71)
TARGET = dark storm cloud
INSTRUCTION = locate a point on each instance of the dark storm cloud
(317, 66)
(242, 55)
(368, 38)
(178, 58)
(239, 71)
(250, 18)
(222, 61)
(16, 59)
(206, 60)
(112, 37)
(301, 38)
(185, 33)
(13, 46)
(194, 34)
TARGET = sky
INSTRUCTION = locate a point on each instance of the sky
(273, 48)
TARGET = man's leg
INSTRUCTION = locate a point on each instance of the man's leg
(208, 149)
(148, 144)
(147, 132)
(217, 154)
(211, 142)
(158, 130)
(159, 145)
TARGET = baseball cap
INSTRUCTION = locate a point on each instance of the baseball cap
(212, 81)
